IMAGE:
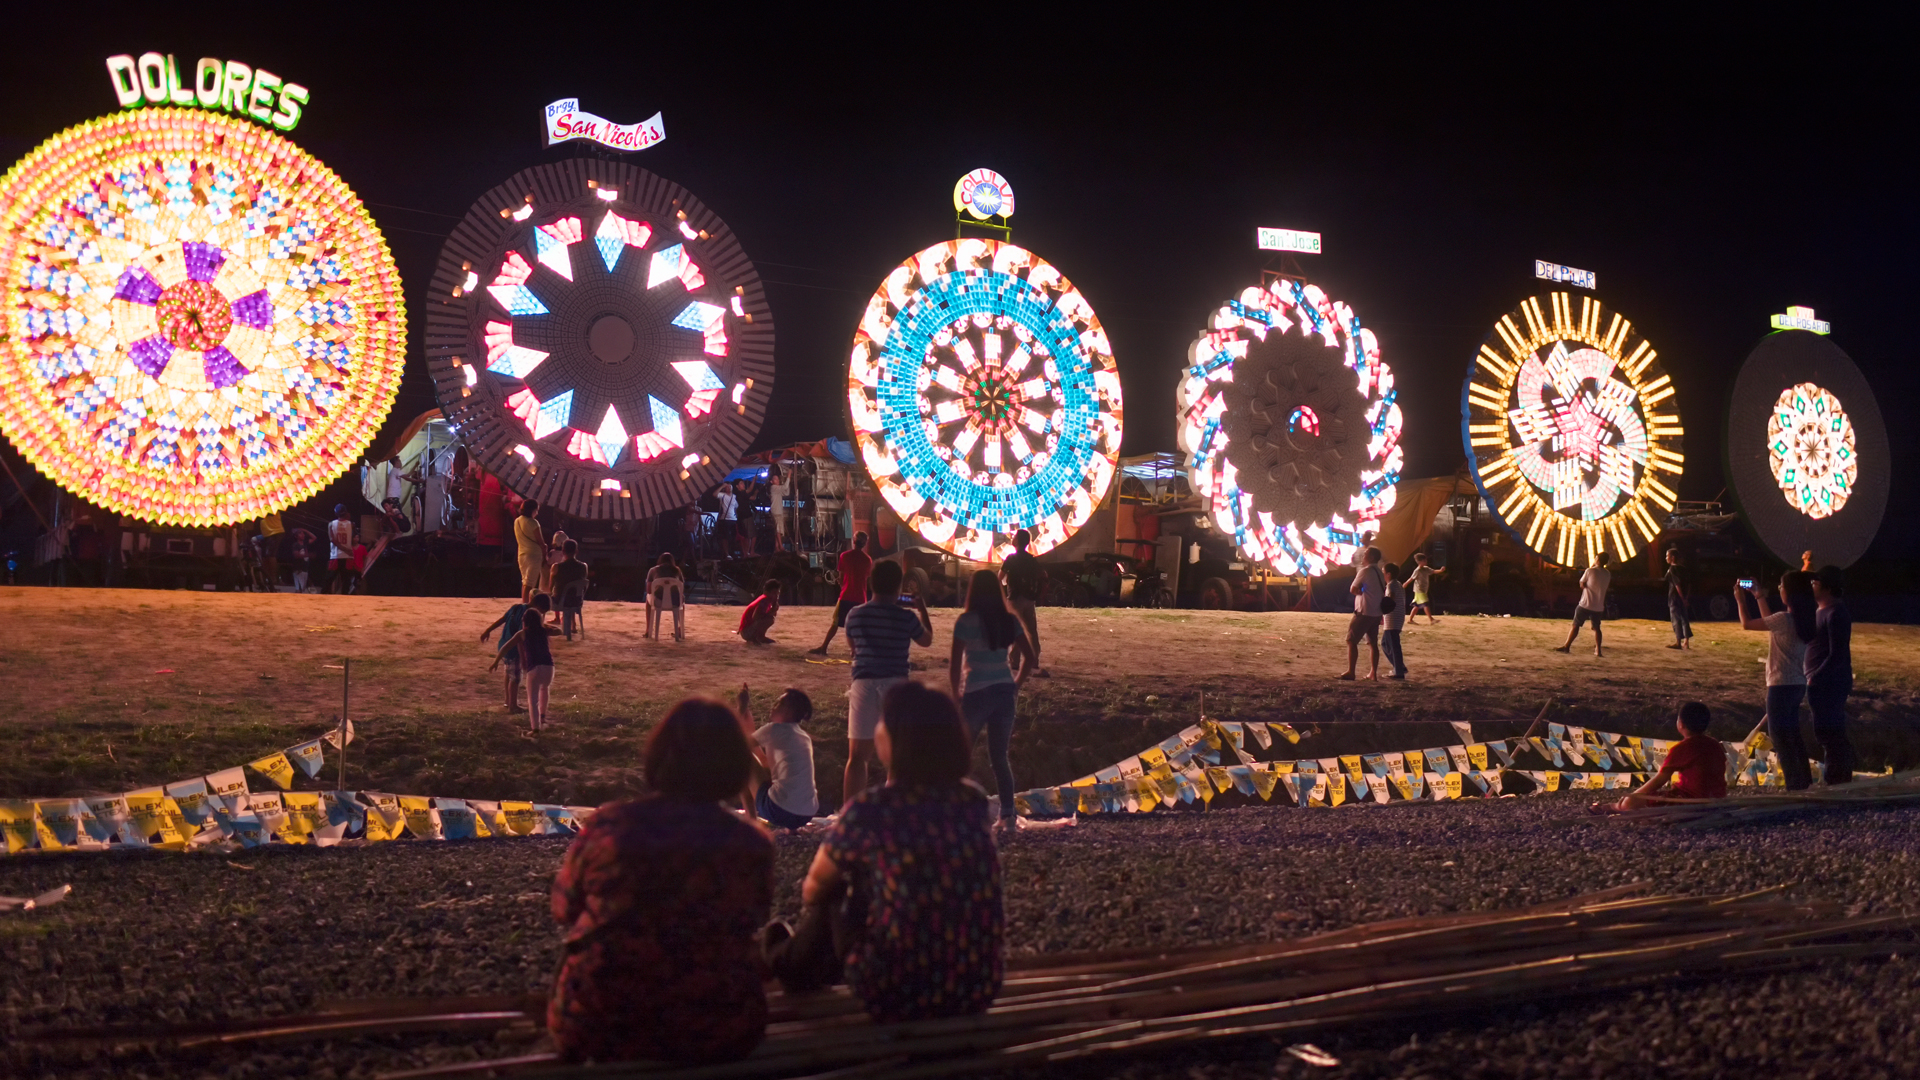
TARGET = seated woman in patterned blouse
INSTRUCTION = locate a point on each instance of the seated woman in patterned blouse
(920, 932)
(661, 897)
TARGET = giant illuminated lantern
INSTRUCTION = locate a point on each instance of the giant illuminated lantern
(985, 398)
(600, 339)
(1806, 449)
(1572, 430)
(202, 324)
(1290, 426)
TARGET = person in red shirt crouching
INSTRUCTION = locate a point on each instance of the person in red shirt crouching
(759, 616)
(1697, 765)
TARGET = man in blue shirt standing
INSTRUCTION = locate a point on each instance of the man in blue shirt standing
(882, 633)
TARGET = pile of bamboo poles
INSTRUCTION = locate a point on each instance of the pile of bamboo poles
(1740, 809)
(1063, 1007)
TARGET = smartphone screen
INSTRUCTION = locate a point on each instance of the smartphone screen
(1746, 583)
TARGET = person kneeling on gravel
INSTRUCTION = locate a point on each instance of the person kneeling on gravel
(1697, 766)
(660, 897)
(903, 897)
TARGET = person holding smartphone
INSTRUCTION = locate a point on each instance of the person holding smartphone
(1790, 628)
(882, 633)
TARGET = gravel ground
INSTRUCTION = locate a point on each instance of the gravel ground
(175, 938)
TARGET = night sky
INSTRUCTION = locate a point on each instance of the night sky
(1708, 182)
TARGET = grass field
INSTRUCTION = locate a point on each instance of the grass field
(103, 690)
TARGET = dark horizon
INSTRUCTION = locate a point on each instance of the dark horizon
(1709, 185)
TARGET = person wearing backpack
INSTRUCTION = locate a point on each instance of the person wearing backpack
(1369, 591)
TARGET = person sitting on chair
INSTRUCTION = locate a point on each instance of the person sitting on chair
(666, 591)
(569, 577)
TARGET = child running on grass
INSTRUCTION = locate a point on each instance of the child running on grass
(1421, 582)
(759, 616)
(508, 625)
(1697, 765)
(536, 660)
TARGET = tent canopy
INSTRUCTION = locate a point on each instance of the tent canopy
(1416, 503)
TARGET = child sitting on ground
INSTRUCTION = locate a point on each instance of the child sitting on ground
(787, 799)
(1697, 765)
(759, 616)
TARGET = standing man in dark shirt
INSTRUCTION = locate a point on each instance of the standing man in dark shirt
(854, 566)
(87, 551)
(1830, 673)
(1024, 579)
(1677, 598)
(882, 633)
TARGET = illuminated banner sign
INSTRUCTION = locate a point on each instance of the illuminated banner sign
(565, 121)
(1287, 240)
(227, 85)
(1579, 279)
(1801, 318)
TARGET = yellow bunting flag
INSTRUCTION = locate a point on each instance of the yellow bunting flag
(386, 821)
(1553, 780)
(1152, 759)
(1477, 753)
(1285, 731)
(1264, 781)
(303, 816)
(17, 824)
(1336, 789)
(1089, 802)
(1220, 778)
(156, 820)
(1401, 784)
(1351, 762)
(276, 768)
(1453, 785)
(422, 821)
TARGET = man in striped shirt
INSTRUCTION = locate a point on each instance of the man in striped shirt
(882, 632)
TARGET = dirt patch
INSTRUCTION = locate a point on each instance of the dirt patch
(111, 689)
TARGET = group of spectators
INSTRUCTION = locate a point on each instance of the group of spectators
(666, 899)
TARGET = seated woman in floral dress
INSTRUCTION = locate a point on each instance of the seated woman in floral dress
(661, 897)
(904, 895)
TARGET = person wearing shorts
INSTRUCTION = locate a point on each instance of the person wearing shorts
(1369, 588)
(1421, 582)
(882, 633)
(855, 564)
(1593, 603)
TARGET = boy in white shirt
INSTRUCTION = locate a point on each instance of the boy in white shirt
(1593, 602)
(1369, 588)
(1395, 609)
(788, 799)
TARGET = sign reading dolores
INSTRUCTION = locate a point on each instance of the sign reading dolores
(565, 121)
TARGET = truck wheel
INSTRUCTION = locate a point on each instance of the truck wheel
(1216, 594)
(919, 584)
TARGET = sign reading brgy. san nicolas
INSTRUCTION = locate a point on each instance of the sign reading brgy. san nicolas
(565, 121)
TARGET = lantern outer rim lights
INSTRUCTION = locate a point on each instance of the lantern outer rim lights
(1202, 393)
(581, 187)
(38, 190)
(1510, 497)
(1018, 282)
